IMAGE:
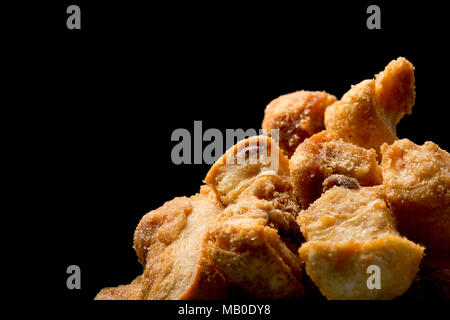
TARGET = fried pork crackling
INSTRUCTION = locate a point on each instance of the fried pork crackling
(348, 230)
(170, 243)
(416, 180)
(297, 115)
(130, 291)
(243, 235)
(367, 115)
(326, 154)
(255, 241)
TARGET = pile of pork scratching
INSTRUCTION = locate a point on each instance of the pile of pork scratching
(343, 194)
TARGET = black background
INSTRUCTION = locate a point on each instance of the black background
(101, 103)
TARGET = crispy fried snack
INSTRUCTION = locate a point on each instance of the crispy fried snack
(254, 243)
(348, 230)
(297, 115)
(416, 180)
(170, 243)
(326, 155)
(243, 235)
(367, 115)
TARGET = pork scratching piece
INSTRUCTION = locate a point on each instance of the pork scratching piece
(367, 115)
(130, 291)
(297, 116)
(416, 181)
(326, 154)
(348, 230)
(255, 241)
(170, 242)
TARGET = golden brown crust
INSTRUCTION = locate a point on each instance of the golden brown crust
(208, 282)
(395, 89)
(177, 265)
(348, 230)
(356, 118)
(253, 257)
(326, 154)
(130, 291)
(297, 116)
(243, 235)
(416, 180)
(246, 161)
(369, 112)
(161, 226)
(248, 243)
(171, 245)
(339, 269)
(343, 214)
